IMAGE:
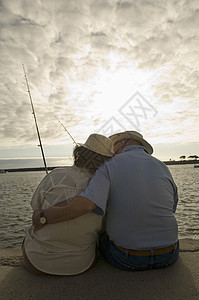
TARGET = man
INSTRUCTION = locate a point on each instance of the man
(139, 196)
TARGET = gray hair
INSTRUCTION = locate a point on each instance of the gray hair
(88, 159)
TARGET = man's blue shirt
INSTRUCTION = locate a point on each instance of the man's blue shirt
(139, 196)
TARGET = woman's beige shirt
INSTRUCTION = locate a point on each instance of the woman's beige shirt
(65, 248)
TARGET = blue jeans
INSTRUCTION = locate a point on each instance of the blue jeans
(123, 261)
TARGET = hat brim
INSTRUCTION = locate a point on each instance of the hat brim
(123, 135)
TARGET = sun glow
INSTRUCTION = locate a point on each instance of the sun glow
(117, 87)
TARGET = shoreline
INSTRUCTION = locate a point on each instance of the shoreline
(169, 162)
(177, 282)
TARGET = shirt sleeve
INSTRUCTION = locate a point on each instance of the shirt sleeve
(59, 185)
(97, 190)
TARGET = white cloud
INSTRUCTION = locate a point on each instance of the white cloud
(73, 49)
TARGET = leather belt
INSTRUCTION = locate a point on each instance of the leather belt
(148, 252)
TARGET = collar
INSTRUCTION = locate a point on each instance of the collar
(134, 147)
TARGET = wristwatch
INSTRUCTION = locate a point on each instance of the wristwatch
(43, 220)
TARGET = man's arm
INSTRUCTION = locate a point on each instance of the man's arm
(64, 211)
(95, 196)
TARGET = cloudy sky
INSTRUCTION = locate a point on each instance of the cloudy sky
(100, 66)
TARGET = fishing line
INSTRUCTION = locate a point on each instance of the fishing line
(66, 130)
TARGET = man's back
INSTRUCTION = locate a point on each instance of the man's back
(141, 201)
(139, 196)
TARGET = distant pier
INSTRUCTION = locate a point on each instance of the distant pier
(169, 162)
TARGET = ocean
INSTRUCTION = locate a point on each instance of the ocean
(16, 189)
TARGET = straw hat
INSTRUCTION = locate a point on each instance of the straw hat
(99, 144)
(132, 135)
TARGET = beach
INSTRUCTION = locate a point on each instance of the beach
(180, 281)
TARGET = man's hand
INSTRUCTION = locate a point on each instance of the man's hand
(36, 220)
(64, 211)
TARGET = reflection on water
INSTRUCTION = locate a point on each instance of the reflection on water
(16, 190)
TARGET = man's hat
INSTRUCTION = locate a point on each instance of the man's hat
(99, 144)
(132, 135)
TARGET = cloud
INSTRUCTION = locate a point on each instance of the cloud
(72, 49)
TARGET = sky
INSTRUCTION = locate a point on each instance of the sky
(101, 66)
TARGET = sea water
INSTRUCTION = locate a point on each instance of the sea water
(16, 190)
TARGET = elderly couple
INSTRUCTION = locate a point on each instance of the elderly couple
(132, 193)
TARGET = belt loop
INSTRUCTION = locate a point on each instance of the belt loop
(152, 258)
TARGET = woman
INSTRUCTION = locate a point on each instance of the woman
(67, 248)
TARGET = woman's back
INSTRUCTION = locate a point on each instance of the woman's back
(65, 248)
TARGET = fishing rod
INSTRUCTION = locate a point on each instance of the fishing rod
(65, 130)
(37, 128)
